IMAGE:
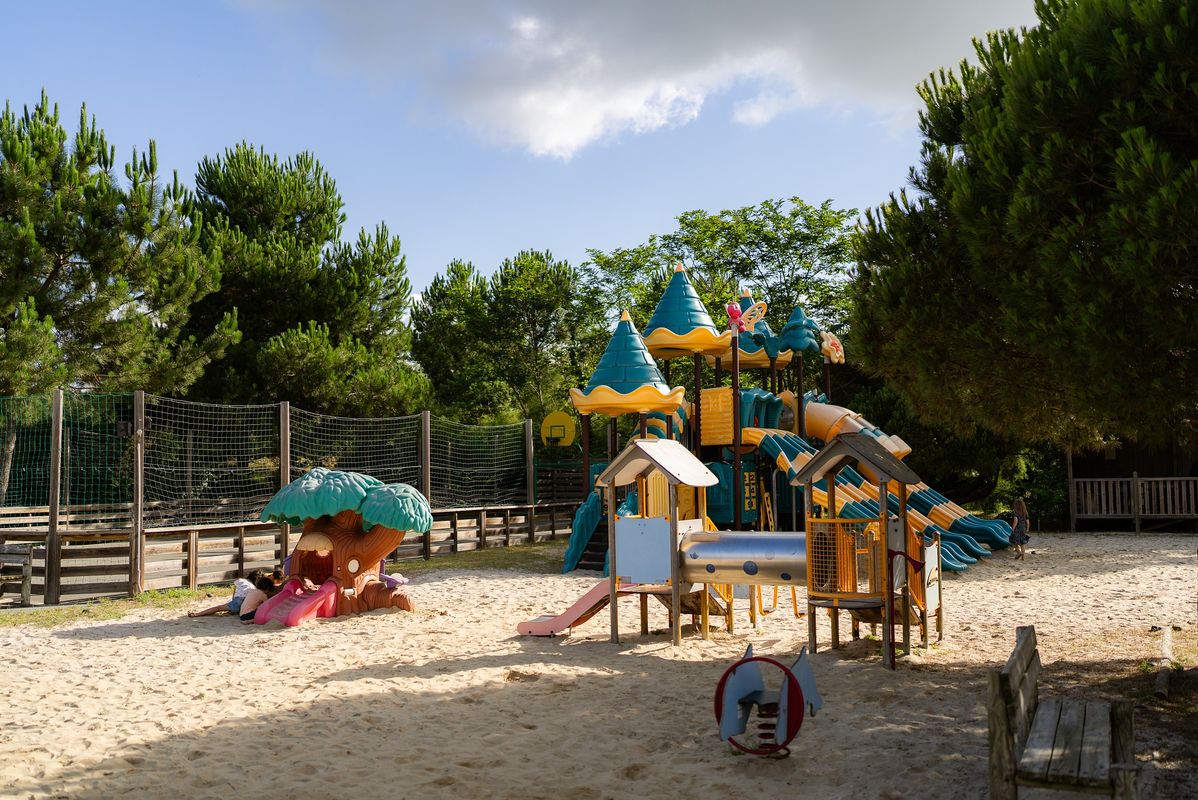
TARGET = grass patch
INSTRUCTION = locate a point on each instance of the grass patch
(106, 609)
(543, 558)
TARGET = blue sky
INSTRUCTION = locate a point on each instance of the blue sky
(478, 128)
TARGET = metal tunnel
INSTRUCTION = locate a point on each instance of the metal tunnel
(767, 559)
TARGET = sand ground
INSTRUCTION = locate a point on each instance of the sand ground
(449, 702)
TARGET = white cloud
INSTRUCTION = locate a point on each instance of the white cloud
(554, 77)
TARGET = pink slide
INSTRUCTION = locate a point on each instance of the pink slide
(292, 605)
(586, 607)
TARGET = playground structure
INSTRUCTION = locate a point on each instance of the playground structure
(866, 536)
(351, 522)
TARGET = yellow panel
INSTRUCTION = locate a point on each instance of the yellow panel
(686, 503)
(657, 504)
(717, 416)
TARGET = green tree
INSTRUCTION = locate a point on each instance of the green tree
(508, 346)
(1039, 280)
(335, 308)
(97, 277)
(787, 252)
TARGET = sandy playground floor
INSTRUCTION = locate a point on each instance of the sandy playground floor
(449, 702)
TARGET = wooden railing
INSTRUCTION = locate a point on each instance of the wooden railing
(1134, 498)
(94, 561)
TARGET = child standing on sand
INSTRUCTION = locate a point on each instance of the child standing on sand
(1019, 527)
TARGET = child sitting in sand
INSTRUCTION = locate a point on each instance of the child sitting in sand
(241, 587)
(263, 590)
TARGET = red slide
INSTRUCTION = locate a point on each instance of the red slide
(292, 605)
(586, 607)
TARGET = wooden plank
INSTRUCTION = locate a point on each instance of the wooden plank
(1037, 751)
(1095, 766)
(53, 543)
(1021, 656)
(1002, 755)
(1025, 699)
(1067, 743)
(193, 548)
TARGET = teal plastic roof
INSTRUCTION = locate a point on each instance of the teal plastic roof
(320, 492)
(680, 310)
(626, 364)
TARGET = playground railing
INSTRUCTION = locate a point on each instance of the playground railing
(1134, 499)
(845, 559)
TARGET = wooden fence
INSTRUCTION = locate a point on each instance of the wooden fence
(92, 555)
(1135, 498)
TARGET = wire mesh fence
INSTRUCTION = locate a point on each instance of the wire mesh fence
(207, 464)
(474, 465)
(387, 448)
(24, 458)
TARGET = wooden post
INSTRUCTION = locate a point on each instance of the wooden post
(453, 532)
(1123, 750)
(51, 590)
(696, 411)
(644, 425)
(1071, 489)
(188, 488)
(665, 370)
(613, 590)
(675, 569)
(738, 491)
(530, 467)
(193, 558)
(241, 552)
(531, 519)
(507, 527)
(613, 439)
(801, 406)
(1135, 499)
(1002, 746)
(426, 456)
(284, 473)
(586, 456)
(482, 530)
(137, 535)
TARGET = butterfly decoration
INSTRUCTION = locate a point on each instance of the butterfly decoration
(752, 315)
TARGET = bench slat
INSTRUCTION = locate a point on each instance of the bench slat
(1067, 746)
(1037, 752)
(1095, 767)
(1024, 699)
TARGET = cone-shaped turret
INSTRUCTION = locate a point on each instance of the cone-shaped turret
(680, 325)
(627, 380)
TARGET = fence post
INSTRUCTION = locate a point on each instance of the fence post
(1071, 490)
(426, 455)
(530, 469)
(284, 472)
(138, 532)
(1135, 498)
(50, 592)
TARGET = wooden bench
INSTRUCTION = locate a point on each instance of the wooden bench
(1078, 745)
(16, 566)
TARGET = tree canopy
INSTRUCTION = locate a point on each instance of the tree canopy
(787, 252)
(1039, 279)
(510, 345)
(99, 275)
(322, 319)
